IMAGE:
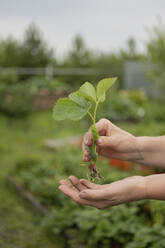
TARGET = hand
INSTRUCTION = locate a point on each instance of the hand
(113, 142)
(103, 196)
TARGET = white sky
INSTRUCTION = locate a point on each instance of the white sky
(105, 24)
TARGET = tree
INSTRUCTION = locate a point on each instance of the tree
(131, 52)
(156, 54)
(79, 55)
(35, 52)
(10, 52)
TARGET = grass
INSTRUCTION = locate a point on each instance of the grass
(19, 226)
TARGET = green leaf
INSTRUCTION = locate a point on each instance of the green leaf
(88, 91)
(66, 108)
(80, 100)
(103, 86)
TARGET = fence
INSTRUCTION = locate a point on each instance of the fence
(136, 77)
(49, 72)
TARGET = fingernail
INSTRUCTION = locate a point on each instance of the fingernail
(99, 142)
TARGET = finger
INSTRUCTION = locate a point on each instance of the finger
(76, 183)
(84, 147)
(88, 184)
(85, 159)
(74, 195)
(87, 139)
(106, 142)
(91, 194)
(85, 152)
(102, 127)
(71, 192)
(65, 182)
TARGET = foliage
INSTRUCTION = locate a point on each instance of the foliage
(31, 52)
(9, 52)
(131, 51)
(78, 55)
(106, 63)
(137, 224)
(49, 85)
(156, 110)
(9, 78)
(16, 99)
(78, 105)
(122, 226)
(126, 106)
(21, 228)
(34, 51)
(156, 55)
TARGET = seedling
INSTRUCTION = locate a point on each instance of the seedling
(77, 105)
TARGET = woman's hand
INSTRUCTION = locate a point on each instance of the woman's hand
(103, 196)
(113, 143)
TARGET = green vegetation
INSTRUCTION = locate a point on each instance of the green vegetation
(85, 101)
(24, 155)
(20, 227)
(40, 169)
(156, 55)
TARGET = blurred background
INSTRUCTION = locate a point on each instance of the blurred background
(47, 50)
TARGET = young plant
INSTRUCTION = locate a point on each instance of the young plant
(77, 105)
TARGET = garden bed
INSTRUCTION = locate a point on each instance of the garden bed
(128, 225)
(34, 203)
(45, 100)
(27, 196)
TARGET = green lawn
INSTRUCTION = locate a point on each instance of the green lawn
(19, 226)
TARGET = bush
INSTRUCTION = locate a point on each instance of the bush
(133, 225)
(156, 110)
(125, 106)
(16, 99)
(51, 86)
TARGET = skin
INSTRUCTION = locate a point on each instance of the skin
(117, 143)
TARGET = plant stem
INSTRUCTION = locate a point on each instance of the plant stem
(95, 112)
(94, 121)
(91, 116)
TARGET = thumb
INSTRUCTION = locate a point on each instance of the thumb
(105, 141)
(90, 194)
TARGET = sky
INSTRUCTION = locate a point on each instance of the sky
(105, 24)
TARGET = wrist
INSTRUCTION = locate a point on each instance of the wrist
(140, 151)
(140, 188)
(154, 185)
(136, 153)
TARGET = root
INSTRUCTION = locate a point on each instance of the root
(94, 173)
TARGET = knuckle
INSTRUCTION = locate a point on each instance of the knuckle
(103, 121)
(76, 184)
